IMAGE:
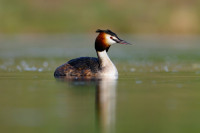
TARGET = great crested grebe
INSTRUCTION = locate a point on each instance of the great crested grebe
(91, 66)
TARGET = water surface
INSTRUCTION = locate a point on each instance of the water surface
(158, 89)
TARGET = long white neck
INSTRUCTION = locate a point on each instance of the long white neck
(106, 65)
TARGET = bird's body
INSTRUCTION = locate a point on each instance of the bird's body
(83, 66)
(91, 66)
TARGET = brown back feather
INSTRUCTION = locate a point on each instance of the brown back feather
(83, 66)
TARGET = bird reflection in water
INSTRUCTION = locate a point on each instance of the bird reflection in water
(105, 100)
(105, 104)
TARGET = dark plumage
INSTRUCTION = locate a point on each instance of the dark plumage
(83, 66)
(107, 32)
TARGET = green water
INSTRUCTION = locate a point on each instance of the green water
(158, 89)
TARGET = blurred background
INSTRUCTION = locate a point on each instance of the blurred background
(162, 30)
(77, 16)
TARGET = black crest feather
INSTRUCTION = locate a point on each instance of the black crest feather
(106, 31)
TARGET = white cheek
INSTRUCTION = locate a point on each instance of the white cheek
(109, 41)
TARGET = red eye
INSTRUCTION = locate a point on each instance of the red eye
(111, 37)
